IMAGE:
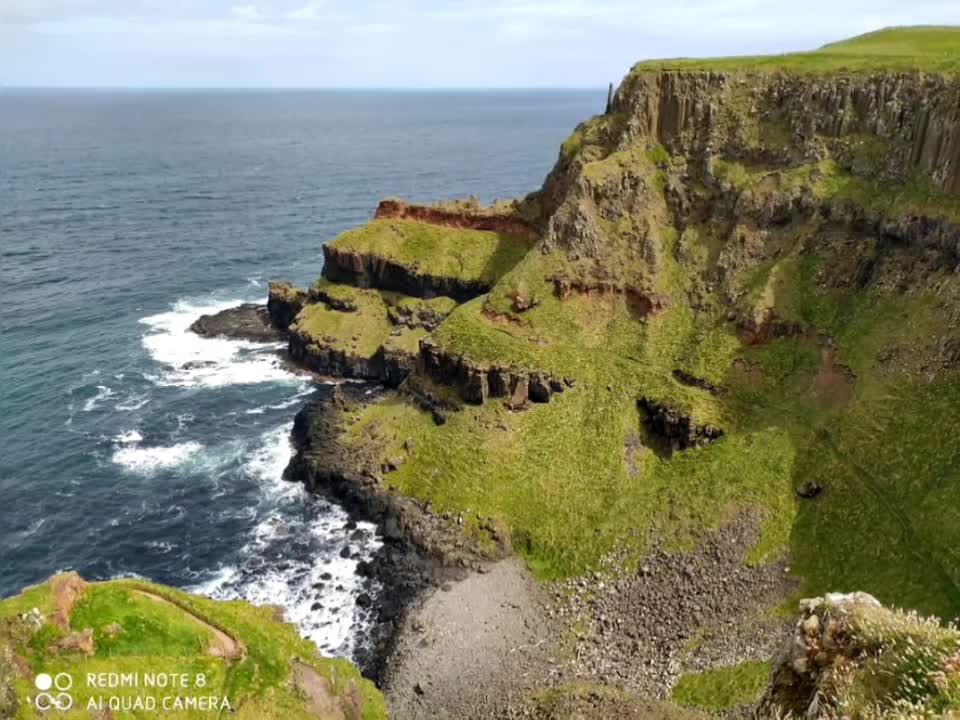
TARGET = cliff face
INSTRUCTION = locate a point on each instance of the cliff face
(735, 295)
(698, 114)
(885, 131)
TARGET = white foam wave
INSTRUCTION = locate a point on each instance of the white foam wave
(213, 586)
(148, 460)
(301, 539)
(295, 400)
(195, 361)
(163, 547)
(271, 458)
(130, 436)
(103, 392)
(134, 402)
(28, 532)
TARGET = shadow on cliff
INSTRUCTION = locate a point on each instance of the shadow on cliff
(509, 251)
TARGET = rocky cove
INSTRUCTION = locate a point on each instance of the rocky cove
(612, 431)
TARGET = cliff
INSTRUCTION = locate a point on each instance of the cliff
(730, 311)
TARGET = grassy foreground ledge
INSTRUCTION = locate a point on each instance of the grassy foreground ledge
(190, 656)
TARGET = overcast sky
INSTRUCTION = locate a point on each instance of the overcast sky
(409, 43)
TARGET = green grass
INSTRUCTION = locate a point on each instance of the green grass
(932, 49)
(149, 628)
(463, 254)
(157, 637)
(557, 475)
(360, 333)
(722, 688)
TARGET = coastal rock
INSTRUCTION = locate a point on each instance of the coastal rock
(635, 625)
(391, 367)
(476, 383)
(244, 322)
(284, 303)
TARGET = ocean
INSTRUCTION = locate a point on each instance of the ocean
(130, 446)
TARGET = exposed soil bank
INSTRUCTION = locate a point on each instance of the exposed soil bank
(395, 209)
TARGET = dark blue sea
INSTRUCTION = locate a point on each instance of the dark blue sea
(129, 446)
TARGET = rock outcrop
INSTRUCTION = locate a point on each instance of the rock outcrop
(849, 657)
(475, 383)
(284, 303)
(390, 367)
(244, 322)
(675, 430)
(366, 270)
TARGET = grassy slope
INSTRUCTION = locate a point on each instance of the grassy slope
(435, 250)
(932, 49)
(159, 638)
(558, 474)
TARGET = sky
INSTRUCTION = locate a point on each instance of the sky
(409, 43)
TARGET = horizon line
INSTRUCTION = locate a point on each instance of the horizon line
(350, 88)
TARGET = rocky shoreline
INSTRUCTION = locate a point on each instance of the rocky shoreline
(421, 550)
(428, 572)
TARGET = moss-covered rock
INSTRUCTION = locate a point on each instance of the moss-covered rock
(850, 657)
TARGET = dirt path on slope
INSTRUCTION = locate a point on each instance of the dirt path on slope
(321, 700)
(222, 644)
